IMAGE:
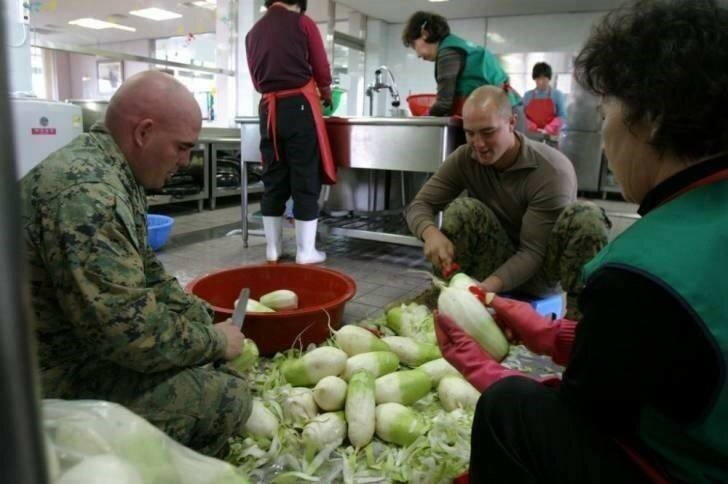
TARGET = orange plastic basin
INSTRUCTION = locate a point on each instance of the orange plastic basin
(320, 291)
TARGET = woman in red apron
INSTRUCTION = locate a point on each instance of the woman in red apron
(544, 107)
(288, 65)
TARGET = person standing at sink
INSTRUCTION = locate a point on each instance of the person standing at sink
(288, 65)
(520, 229)
(460, 66)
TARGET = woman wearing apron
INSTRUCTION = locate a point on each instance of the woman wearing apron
(288, 65)
(544, 107)
(460, 66)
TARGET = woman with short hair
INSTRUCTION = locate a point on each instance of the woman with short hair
(644, 395)
(460, 66)
(545, 107)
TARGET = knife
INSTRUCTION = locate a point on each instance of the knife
(239, 313)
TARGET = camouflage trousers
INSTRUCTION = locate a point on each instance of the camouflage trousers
(198, 407)
(482, 245)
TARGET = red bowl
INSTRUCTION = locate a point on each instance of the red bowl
(320, 291)
(420, 104)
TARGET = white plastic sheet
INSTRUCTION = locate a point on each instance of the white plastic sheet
(91, 441)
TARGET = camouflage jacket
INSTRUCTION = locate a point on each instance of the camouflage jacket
(105, 310)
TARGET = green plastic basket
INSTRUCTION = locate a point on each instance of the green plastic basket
(335, 100)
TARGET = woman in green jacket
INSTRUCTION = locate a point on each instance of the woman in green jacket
(644, 395)
(460, 65)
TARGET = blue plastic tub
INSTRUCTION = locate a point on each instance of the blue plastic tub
(158, 229)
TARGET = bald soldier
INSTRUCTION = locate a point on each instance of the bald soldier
(110, 323)
(520, 228)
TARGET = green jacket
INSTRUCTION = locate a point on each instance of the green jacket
(682, 246)
(481, 68)
(106, 313)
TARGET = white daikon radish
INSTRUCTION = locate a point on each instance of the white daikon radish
(323, 430)
(330, 393)
(254, 306)
(248, 357)
(360, 409)
(469, 313)
(299, 405)
(377, 363)
(405, 387)
(398, 424)
(412, 320)
(436, 369)
(462, 281)
(262, 422)
(355, 339)
(314, 365)
(410, 352)
(456, 392)
(280, 300)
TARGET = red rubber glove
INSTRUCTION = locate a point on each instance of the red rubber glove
(467, 356)
(540, 334)
(448, 272)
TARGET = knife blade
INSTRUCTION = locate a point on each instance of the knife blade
(239, 313)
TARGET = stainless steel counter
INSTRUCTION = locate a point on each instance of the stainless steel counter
(416, 144)
(219, 135)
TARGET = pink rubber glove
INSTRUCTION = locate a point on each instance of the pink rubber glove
(467, 356)
(554, 126)
(540, 334)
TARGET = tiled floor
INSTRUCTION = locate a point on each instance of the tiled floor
(201, 243)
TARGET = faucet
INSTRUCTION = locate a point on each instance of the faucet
(380, 84)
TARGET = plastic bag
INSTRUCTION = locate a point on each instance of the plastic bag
(92, 441)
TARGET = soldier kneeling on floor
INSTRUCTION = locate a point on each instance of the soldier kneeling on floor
(109, 322)
(520, 228)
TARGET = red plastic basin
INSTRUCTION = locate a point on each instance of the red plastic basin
(320, 291)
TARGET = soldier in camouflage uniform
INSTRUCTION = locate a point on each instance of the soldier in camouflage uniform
(580, 231)
(520, 230)
(110, 323)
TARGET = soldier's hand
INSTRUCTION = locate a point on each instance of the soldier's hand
(438, 248)
(234, 337)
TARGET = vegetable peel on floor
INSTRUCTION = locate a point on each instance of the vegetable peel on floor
(437, 455)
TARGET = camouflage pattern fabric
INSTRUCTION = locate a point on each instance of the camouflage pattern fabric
(200, 407)
(481, 246)
(110, 324)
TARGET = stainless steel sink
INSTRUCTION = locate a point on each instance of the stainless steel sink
(417, 144)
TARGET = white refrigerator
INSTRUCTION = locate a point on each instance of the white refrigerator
(40, 128)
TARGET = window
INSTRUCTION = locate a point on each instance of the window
(192, 49)
(38, 73)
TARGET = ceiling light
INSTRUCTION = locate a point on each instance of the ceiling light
(205, 4)
(437, 1)
(496, 37)
(96, 24)
(154, 13)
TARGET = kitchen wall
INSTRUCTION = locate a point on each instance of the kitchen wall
(502, 35)
(83, 78)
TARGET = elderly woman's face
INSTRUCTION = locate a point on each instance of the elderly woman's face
(631, 158)
(425, 50)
